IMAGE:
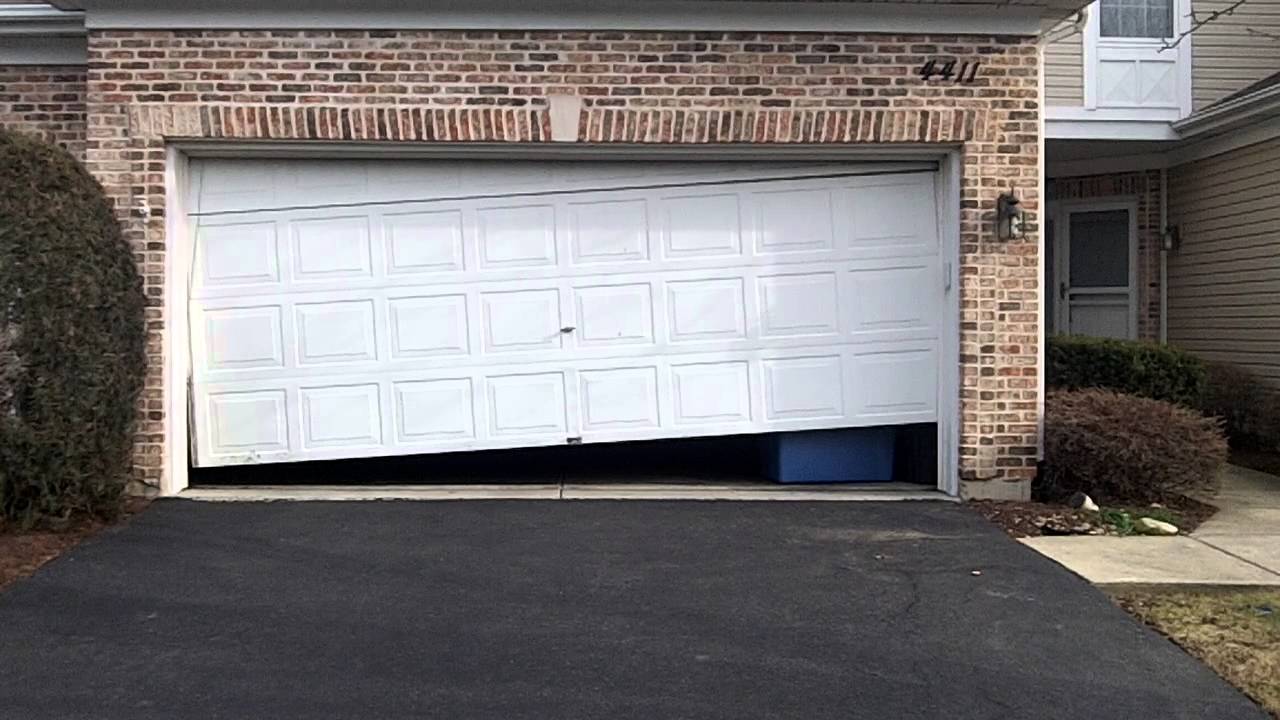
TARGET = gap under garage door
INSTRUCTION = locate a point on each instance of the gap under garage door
(353, 309)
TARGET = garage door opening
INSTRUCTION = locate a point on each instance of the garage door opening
(372, 319)
(739, 460)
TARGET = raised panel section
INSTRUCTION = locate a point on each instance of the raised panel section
(427, 326)
(711, 393)
(243, 338)
(242, 254)
(626, 398)
(895, 382)
(1118, 83)
(248, 422)
(807, 387)
(614, 315)
(794, 221)
(517, 236)
(891, 299)
(894, 218)
(336, 332)
(521, 320)
(434, 411)
(799, 305)
(702, 226)
(424, 242)
(341, 416)
(527, 404)
(706, 310)
(330, 248)
(609, 231)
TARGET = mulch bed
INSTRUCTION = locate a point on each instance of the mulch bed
(22, 552)
(1036, 519)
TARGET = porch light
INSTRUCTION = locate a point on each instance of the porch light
(1011, 219)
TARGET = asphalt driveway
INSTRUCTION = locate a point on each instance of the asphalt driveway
(579, 610)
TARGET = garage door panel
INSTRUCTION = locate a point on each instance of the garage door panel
(329, 248)
(482, 324)
(516, 236)
(706, 309)
(238, 254)
(341, 416)
(424, 242)
(794, 220)
(613, 315)
(898, 299)
(431, 412)
(514, 405)
(607, 230)
(799, 305)
(530, 319)
(527, 404)
(894, 383)
(429, 326)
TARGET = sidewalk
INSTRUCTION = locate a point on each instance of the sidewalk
(1238, 546)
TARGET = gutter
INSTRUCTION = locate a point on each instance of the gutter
(40, 20)
(1228, 114)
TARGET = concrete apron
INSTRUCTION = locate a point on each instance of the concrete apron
(1240, 545)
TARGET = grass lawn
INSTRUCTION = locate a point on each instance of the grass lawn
(1234, 631)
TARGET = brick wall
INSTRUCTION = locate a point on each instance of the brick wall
(1145, 188)
(45, 100)
(662, 88)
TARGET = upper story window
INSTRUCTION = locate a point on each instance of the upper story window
(1136, 18)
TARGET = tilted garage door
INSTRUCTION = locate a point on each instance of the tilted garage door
(365, 308)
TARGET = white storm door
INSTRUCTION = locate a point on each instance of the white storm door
(1096, 271)
(1135, 59)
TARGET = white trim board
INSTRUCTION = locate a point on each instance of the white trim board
(724, 15)
(1107, 129)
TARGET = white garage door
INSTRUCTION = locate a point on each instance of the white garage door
(360, 308)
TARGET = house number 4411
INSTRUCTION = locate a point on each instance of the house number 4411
(959, 72)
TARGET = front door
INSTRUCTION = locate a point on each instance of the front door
(1093, 262)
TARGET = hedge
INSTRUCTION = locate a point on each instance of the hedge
(1148, 370)
(72, 339)
(1125, 448)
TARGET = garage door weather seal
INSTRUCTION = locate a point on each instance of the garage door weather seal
(731, 492)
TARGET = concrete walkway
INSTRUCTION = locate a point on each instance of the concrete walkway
(1238, 546)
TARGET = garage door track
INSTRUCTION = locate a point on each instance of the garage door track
(650, 610)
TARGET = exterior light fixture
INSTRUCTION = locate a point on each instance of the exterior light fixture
(1011, 219)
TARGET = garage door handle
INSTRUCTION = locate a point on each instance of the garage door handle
(567, 330)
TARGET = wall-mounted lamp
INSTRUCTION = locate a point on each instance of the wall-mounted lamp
(1011, 219)
(1171, 238)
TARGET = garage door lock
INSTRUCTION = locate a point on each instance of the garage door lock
(567, 329)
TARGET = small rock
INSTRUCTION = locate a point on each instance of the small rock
(1080, 501)
(1155, 505)
(976, 573)
(1151, 526)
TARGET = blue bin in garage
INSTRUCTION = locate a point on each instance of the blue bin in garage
(830, 456)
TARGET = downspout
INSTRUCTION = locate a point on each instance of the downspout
(1164, 256)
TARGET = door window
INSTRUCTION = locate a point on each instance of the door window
(1136, 18)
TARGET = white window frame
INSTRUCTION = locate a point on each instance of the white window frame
(1061, 212)
(1094, 45)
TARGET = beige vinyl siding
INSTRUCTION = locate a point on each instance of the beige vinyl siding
(1224, 278)
(1226, 56)
(1064, 71)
